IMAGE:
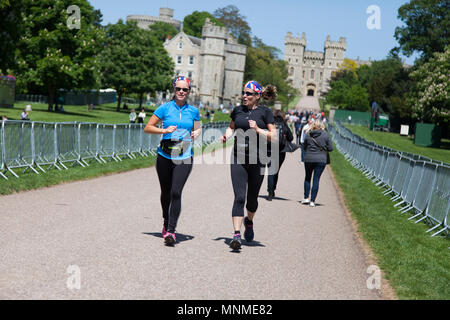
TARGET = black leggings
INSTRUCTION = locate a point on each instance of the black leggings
(247, 180)
(172, 178)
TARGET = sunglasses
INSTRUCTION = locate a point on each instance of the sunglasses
(184, 89)
(247, 93)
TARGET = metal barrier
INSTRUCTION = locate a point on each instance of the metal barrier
(419, 183)
(43, 145)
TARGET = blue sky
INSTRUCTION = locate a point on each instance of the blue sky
(270, 20)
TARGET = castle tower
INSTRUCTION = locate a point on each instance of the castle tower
(334, 56)
(212, 57)
(294, 51)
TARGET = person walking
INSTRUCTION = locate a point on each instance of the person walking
(254, 125)
(316, 147)
(285, 135)
(141, 116)
(180, 127)
(132, 116)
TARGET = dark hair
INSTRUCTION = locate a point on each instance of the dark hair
(269, 93)
(279, 113)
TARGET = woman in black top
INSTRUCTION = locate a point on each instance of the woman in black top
(284, 136)
(254, 125)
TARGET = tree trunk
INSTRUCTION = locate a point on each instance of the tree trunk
(119, 100)
(51, 97)
(141, 97)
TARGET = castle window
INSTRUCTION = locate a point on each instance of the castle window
(291, 71)
(321, 76)
(304, 74)
(289, 59)
(330, 64)
(190, 73)
(312, 74)
(335, 55)
(180, 45)
(191, 59)
(296, 60)
(179, 59)
(293, 50)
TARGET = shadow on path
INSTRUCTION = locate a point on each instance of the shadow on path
(227, 241)
(180, 237)
(274, 198)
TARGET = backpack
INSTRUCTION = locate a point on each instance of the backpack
(281, 132)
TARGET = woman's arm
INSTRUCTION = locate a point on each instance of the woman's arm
(228, 133)
(196, 130)
(270, 135)
(153, 129)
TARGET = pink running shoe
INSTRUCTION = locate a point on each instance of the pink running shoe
(170, 239)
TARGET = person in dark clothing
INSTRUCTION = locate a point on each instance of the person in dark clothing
(284, 134)
(317, 144)
(254, 125)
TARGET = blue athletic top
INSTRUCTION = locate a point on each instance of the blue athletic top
(182, 117)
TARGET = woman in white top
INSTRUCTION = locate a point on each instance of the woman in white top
(141, 116)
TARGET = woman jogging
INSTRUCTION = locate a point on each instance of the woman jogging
(316, 146)
(247, 172)
(181, 125)
(284, 136)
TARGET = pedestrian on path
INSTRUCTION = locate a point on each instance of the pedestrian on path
(247, 171)
(180, 126)
(302, 137)
(285, 136)
(317, 145)
(132, 116)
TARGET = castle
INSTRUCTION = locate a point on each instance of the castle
(214, 63)
(310, 71)
(165, 15)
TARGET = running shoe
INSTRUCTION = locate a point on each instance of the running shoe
(312, 204)
(236, 242)
(249, 234)
(305, 201)
(170, 239)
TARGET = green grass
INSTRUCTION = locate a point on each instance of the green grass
(105, 113)
(401, 143)
(416, 265)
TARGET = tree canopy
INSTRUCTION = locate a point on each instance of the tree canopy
(134, 61)
(235, 22)
(162, 30)
(193, 23)
(426, 27)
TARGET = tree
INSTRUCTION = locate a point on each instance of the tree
(193, 23)
(134, 61)
(162, 30)
(50, 55)
(235, 22)
(10, 32)
(430, 100)
(426, 29)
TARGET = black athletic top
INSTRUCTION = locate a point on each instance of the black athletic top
(241, 115)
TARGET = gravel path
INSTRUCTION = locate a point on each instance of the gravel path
(109, 230)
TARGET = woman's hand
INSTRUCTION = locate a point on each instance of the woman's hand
(223, 138)
(170, 129)
(195, 134)
(253, 125)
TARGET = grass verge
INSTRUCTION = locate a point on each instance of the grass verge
(401, 143)
(416, 265)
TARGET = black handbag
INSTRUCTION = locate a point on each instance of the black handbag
(290, 147)
(174, 148)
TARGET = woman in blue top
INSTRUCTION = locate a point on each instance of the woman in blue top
(180, 126)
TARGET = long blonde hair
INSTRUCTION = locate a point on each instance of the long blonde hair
(317, 125)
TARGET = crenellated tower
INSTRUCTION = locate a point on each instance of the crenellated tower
(212, 55)
(294, 51)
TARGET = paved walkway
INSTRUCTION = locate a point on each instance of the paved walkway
(110, 229)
